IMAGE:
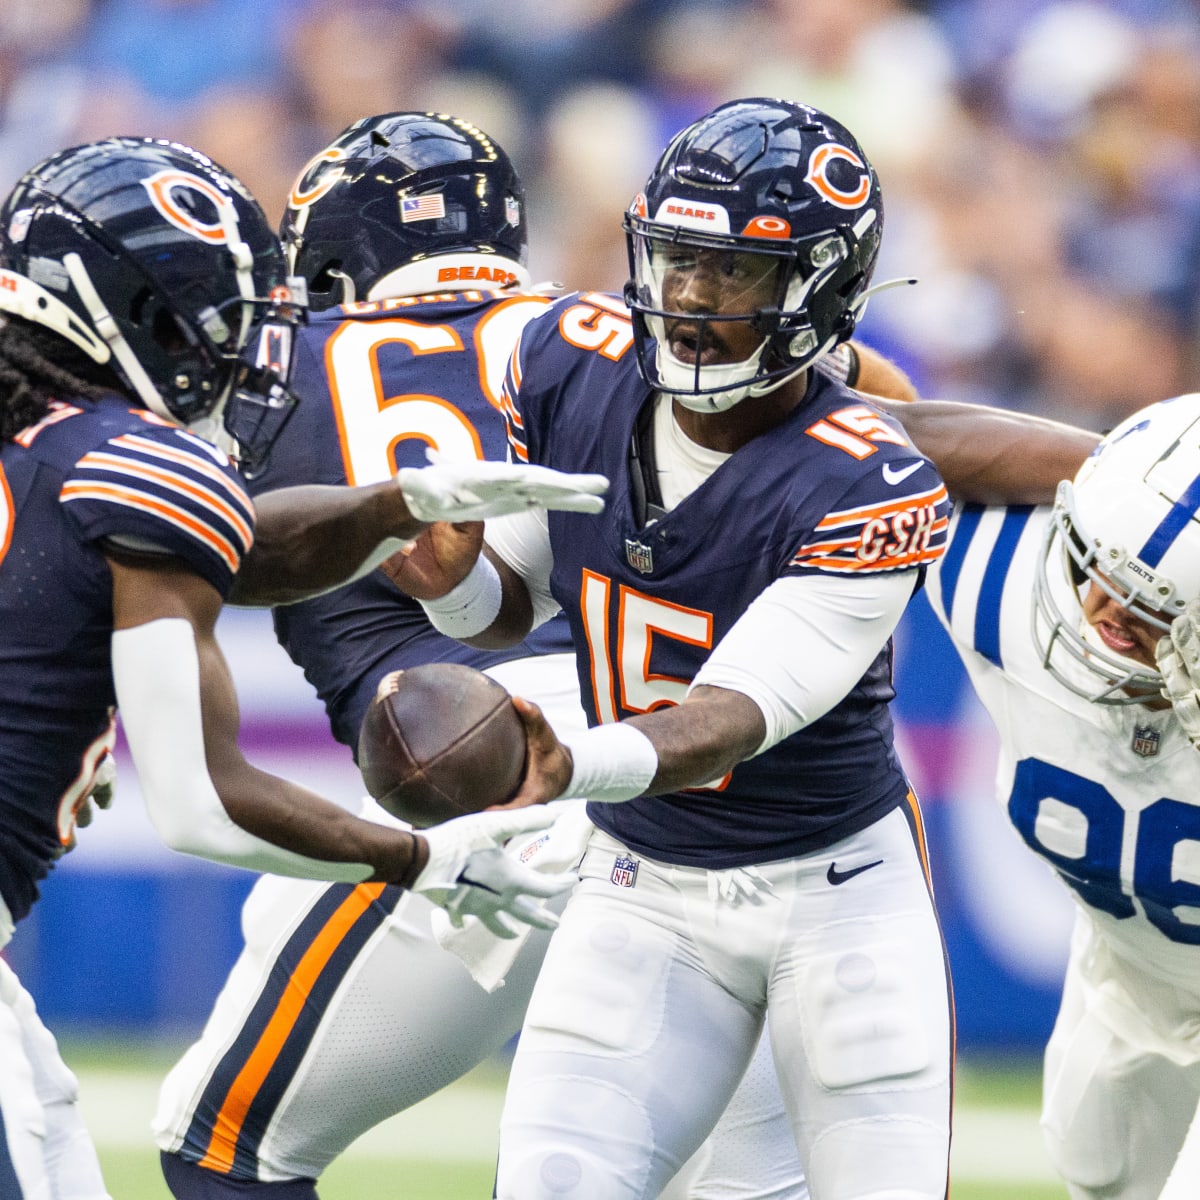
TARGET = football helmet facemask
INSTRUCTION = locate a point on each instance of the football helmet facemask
(406, 203)
(776, 204)
(155, 261)
(1128, 523)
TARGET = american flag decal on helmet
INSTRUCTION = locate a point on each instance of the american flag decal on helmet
(624, 872)
(422, 208)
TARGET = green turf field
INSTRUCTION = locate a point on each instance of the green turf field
(444, 1149)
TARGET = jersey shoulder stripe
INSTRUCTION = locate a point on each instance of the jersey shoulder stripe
(170, 492)
(170, 481)
(892, 535)
(970, 590)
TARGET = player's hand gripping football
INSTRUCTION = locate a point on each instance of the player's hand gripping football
(548, 763)
(1178, 655)
(469, 875)
(473, 490)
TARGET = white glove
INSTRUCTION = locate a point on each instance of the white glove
(469, 875)
(1178, 656)
(473, 490)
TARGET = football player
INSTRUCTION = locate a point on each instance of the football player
(1100, 775)
(757, 847)
(132, 275)
(410, 230)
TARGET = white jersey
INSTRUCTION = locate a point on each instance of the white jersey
(1108, 795)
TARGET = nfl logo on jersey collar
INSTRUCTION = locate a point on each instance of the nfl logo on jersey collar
(624, 872)
(1145, 741)
(639, 556)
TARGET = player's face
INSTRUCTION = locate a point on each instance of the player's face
(1120, 629)
(721, 283)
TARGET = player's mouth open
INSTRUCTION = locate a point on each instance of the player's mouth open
(1114, 638)
(692, 343)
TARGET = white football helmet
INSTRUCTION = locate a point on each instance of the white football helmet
(1130, 523)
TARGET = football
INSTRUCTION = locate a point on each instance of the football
(438, 741)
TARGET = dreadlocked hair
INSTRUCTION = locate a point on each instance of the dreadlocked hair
(37, 366)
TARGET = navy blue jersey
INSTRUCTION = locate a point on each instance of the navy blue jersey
(837, 488)
(89, 473)
(380, 382)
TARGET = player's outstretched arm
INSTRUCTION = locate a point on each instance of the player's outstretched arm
(310, 539)
(992, 456)
(877, 375)
(180, 715)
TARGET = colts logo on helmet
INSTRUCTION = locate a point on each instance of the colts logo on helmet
(163, 187)
(317, 177)
(823, 157)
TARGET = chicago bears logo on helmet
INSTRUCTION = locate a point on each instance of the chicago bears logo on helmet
(169, 193)
(857, 188)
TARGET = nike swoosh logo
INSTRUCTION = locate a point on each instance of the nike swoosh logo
(893, 476)
(835, 876)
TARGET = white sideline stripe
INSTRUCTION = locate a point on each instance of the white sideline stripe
(993, 1144)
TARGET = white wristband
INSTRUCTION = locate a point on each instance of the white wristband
(612, 763)
(470, 607)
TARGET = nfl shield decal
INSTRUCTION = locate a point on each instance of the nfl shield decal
(1145, 741)
(639, 556)
(624, 872)
(529, 851)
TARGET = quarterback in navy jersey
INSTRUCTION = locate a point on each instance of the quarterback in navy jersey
(406, 351)
(133, 275)
(757, 848)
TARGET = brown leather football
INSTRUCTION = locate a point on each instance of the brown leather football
(439, 741)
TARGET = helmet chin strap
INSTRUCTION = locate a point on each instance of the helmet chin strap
(106, 326)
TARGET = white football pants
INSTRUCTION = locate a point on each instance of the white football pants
(45, 1151)
(1120, 1094)
(652, 999)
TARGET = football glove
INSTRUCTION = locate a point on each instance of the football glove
(474, 490)
(1178, 657)
(469, 875)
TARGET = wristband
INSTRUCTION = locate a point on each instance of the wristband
(611, 763)
(470, 607)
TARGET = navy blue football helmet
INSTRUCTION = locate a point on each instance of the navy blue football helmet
(394, 193)
(781, 200)
(158, 263)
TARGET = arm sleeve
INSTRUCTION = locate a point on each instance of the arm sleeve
(523, 541)
(804, 643)
(156, 670)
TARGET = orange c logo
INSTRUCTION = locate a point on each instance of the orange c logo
(322, 181)
(162, 187)
(818, 176)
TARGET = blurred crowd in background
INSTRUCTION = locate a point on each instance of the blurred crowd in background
(1040, 159)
